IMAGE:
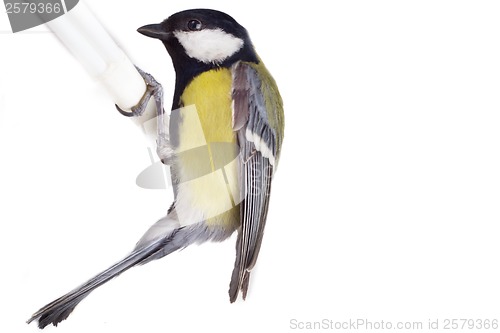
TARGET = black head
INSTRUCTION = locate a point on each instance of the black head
(202, 38)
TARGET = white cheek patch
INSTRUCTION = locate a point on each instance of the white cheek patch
(209, 45)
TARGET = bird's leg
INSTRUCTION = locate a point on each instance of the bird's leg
(153, 90)
(163, 146)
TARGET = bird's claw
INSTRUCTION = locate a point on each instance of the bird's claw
(153, 89)
(134, 112)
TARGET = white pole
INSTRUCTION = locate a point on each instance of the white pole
(83, 35)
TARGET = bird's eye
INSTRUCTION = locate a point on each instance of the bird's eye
(194, 25)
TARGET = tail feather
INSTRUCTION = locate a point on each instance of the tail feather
(160, 240)
(240, 276)
(61, 308)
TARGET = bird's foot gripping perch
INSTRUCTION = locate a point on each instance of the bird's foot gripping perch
(153, 90)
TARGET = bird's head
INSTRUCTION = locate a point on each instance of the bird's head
(203, 35)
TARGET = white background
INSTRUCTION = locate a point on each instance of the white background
(385, 205)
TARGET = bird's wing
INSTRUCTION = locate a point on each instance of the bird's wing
(258, 120)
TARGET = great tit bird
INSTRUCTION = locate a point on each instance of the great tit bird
(223, 147)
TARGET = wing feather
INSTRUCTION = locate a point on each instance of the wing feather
(257, 116)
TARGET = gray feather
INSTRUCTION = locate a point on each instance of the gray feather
(256, 173)
(159, 241)
(240, 95)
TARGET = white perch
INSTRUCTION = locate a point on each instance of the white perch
(83, 35)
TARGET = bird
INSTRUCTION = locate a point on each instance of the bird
(223, 146)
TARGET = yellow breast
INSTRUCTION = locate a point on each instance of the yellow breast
(207, 152)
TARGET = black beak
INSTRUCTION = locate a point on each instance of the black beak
(154, 31)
